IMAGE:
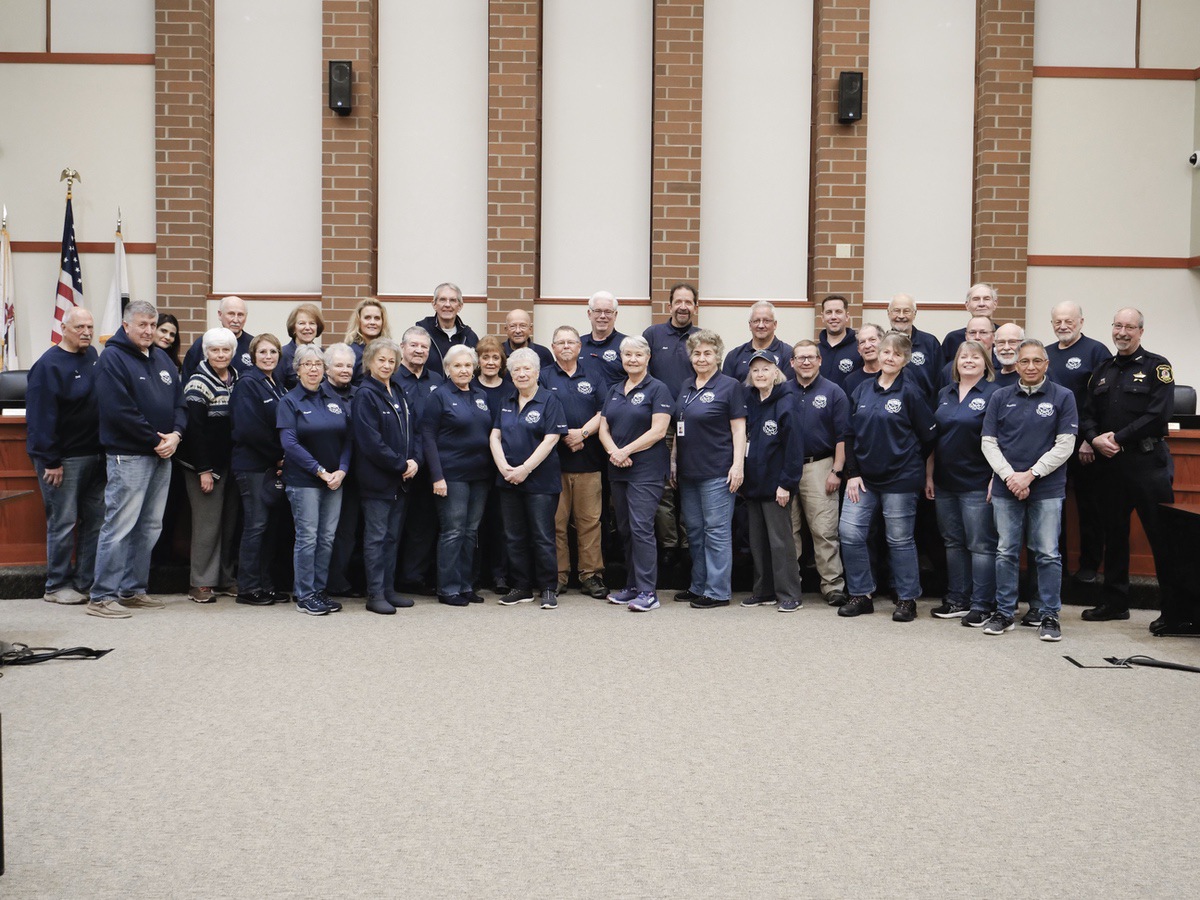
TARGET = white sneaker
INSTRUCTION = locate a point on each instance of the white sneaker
(108, 609)
(65, 596)
(142, 601)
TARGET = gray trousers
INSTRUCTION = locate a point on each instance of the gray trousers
(776, 573)
(214, 527)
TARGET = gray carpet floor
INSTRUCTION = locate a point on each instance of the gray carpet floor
(229, 751)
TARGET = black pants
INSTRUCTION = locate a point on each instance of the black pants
(1088, 488)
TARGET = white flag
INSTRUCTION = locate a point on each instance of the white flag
(118, 293)
(10, 299)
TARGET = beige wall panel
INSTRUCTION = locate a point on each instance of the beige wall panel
(267, 146)
(101, 26)
(1195, 247)
(1085, 32)
(920, 149)
(24, 28)
(935, 321)
(597, 93)
(1170, 34)
(1108, 173)
(1169, 298)
(433, 146)
(755, 149)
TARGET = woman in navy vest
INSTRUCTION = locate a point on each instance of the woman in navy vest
(456, 423)
(891, 431)
(958, 479)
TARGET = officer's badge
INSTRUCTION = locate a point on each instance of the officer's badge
(1164, 374)
(1139, 377)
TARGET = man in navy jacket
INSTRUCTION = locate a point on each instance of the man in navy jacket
(142, 420)
(231, 314)
(445, 327)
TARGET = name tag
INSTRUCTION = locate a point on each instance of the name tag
(679, 428)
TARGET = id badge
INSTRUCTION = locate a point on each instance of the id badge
(679, 428)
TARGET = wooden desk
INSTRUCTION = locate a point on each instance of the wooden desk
(22, 519)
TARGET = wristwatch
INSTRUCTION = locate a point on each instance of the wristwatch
(584, 432)
(321, 470)
(837, 472)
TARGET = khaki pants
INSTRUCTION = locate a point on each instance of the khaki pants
(581, 497)
(820, 510)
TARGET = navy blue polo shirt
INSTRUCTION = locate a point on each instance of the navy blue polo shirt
(581, 396)
(838, 362)
(855, 378)
(705, 449)
(417, 389)
(891, 430)
(494, 394)
(1025, 426)
(958, 462)
(926, 362)
(629, 416)
(603, 359)
(947, 374)
(824, 414)
(522, 431)
(314, 427)
(669, 360)
(1073, 367)
(545, 357)
(455, 427)
(737, 360)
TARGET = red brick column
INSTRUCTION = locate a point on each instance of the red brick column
(514, 156)
(839, 154)
(183, 149)
(348, 162)
(675, 201)
(1003, 114)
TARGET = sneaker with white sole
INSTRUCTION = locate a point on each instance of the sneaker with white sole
(549, 600)
(790, 605)
(976, 618)
(65, 596)
(998, 624)
(621, 598)
(313, 606)
(1049, 630)
(753, 601)
(108, 609)
(950, 609)
(142, 601)
(515, 596)
(644, 602)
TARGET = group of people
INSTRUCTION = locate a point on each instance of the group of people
(396, 452)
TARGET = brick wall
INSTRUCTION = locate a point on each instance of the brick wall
(514, 156)
(1003, 112)
(839, 158)
(183, 142)
(348, 157)
(675, 201)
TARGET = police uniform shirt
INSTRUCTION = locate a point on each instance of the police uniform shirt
(959, 465)
(1073, 367)
(522, 430)
(824, 415)
(838, 362)
(1132, 396)
(703, 438)
(890, 429)
(603, 359)
(737, 360)
(1025, 425)
(581, 398)
(629, 416)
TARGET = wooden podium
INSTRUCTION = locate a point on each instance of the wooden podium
(22, 518)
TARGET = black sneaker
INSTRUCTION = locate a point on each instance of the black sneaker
(836, 598)
(329, 602)
(549, 600)
(752, 601)
(858, 605)
(951, 610)
(593, 586)
(515, 596)
(709, 603)
(686, 597)
(1105, 612)
(906, 611)
(1032, 619)
(255, 598)
(998, 624)
(1049, 630)
(453, 600)
(472, 597)
(976, 618)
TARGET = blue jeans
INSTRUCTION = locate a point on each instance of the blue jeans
(134, 499)
(899, 519)
(529, 526)
(79, 499)
(458, 514)
(1037, 523)
(316, 511)
(967, 526)
(382, 520)
(635, 504)
(707, 507)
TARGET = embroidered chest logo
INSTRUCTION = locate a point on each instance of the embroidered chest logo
(533, 417)
(708, 397)
(845, 365)
(637, 399)
(245, 359)
(481, 403)
(165, 376)
(334, 408)
(770, 427)
(977, 404)
(918, 358)
(584, 387)
(611, 355)
(1045, 410)
(1074, 363)
(893, 406)
(820, 401)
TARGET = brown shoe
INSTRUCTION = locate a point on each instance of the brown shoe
(108, 609)
(142, 601)
(202, 595)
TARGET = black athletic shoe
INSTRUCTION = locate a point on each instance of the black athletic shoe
(1105, 612)
(857, 605)
(453, 600)
(906, 611)
(709, 603)
(686, 597)
(975, 618)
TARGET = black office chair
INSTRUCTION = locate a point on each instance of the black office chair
(1185, 400)
(13, 385)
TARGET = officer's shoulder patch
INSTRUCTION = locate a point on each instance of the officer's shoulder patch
(1164, 374)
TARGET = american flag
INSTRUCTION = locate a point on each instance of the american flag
(70, 281)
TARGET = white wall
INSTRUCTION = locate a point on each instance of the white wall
(433, 146)
(1170, 34)
(597, 93)
(111, 26)
(24, 28)
(1085, 32)
(757, 101)
(920, 149)
(268, 95)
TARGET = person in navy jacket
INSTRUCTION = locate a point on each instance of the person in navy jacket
(231, 314)
(257, 464)
(709, 456)
(762, 339)
(344, 575)
(869, 337)
(982, 300)
(774, 462)
(387, 457)
(304, 325)
(518, 325)
(314, 429)
(926, 357)
(957, 479)
(368, 322)
(891, 431)
(142, 420)
(456, 423)
(633, 424)
(1028, 435)
(445, 327)
(525, 429)
(600, 348)
(838, 344)
(62, 417)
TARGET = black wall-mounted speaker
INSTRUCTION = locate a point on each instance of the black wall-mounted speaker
(850, 89)
(341, 78)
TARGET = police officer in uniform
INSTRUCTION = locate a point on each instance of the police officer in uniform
(1129, 400)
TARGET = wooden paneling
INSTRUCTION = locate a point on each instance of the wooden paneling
(22, 519)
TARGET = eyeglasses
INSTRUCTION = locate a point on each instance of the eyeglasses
(570, 343)
(312, 364)
(605, 313)
(805, 359)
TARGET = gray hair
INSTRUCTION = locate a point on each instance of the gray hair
(603, 295)
(706, 336)
(415, 330)
(333, 351)
(763, 304)
(376, 347)
(635, 342)
(459, 349)
(907, 297)
(983, 284)
(306, 352)
(879, 332)
(777, 378)
(138, 308)
(218, 337)
(1033, 342)
(561, 328)
(448, 284)
(524, 355)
